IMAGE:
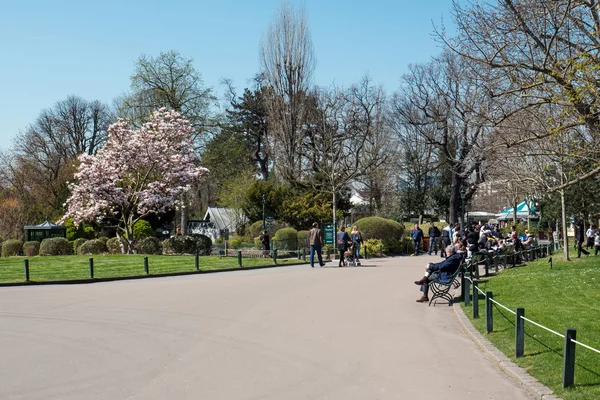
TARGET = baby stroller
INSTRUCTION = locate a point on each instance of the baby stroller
(350, 255)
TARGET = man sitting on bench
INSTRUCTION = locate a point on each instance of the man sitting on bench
(441, 271)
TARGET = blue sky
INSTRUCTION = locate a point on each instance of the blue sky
(53, 49)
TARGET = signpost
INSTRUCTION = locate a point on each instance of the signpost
(329, 234)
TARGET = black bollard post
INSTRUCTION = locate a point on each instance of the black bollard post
(91, 268)
(467, 292)
(26, 266)
(520, 333)
(239, 257)
(304, 254)
(569, 358)
(550, 262)
(489, 312)
(146, 266)
(275, 256)
(475, 299)
(197, 262)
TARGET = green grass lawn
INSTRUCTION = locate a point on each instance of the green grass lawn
(65, 268)
(567, 296)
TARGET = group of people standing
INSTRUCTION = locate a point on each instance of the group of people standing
(344, 243)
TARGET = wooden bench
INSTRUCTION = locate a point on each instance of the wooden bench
(441, 289)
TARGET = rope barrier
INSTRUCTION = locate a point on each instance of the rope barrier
(503, 306)
(586, 346)
(543, 327)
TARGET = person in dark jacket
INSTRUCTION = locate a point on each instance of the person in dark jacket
(580, 238)
(439, 272)
(343, 244)
(434, 234)
(417, 236)
(316, 242)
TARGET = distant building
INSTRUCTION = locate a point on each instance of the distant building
(217, 222)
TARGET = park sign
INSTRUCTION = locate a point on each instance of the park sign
(329, 234)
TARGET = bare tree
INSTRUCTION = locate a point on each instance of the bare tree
(287, 60)
(448, 105)
(540, 53)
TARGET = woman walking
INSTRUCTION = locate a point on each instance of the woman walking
(343, 242)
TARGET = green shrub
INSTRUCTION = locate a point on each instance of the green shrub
(31, 249)
(286, 239)
(76, 243)
(94, 246)
(379, 228)
(103, 238)
(113, 246)
(303, 238)
(519, 228)
(142, 229)
(203, 244)
(11, 247)
(148, 245)
(82, 231)
(219, 240)
(235, 243)
(392, 246)
(374, 247)
(56, 247)
(180, 245)
(255, 229)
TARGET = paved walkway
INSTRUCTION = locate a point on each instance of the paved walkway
(283, 333)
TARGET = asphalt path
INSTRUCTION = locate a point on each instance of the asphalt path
(281, 333)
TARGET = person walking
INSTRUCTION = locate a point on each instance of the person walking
(265, 241)
(445, 239)
(357, 240)
(316, 242)
(580, 238)
(589, 234)
(434, 234)
(343, 243)
(417, 236)
(597, 242)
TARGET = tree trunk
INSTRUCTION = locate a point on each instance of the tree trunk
(334, 210)
(564, 224)
(454, 198)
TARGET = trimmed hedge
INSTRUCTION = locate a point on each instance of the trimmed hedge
(31, 249)
(11, 247)
(113, 246)
(379, 228)
(56, 247)
(77, 243)
(286, 239)
(148, 245)
(94, 246)
(188, 245)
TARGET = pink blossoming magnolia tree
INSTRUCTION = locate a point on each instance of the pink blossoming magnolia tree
(137, 172)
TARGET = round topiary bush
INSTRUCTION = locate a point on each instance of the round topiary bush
(148, 245)
(256, 230)
(142, 229)
(31, 249)
(113, 246)
(303, 238)
(286, 239)
(379, 228)
(11, 247)
(56, 247)
(77, 243)
(95, 246)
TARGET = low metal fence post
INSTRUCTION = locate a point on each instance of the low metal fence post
(569, 358)
(146, 265)
(520, 333)
(328, 256)
(26, 267)
(197, 262)
(275, 256)
(467, 292)
(91, 268)
(475, 299)
(298, 253)
(304, 254)
(239, 257)
(489, 312)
